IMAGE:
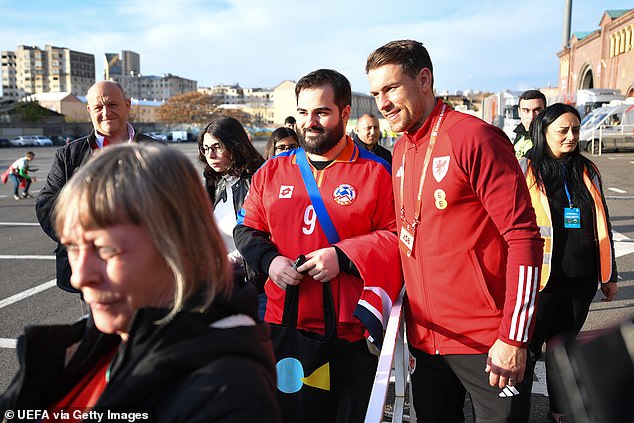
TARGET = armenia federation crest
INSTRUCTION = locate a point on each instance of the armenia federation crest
(344, 194)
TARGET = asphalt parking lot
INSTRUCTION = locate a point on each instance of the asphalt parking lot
(28, 294)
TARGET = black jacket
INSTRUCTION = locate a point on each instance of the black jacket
(180, 371)
(378, 150)
(239, 192)
(67, 160)
(520, 131)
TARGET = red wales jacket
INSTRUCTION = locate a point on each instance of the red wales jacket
(474, 272)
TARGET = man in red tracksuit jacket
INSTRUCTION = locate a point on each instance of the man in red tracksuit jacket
(470, 247)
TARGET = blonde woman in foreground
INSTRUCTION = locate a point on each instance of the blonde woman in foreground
(170, 336)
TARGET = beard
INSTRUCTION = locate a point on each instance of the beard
(320, 140)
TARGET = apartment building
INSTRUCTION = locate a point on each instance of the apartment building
(131, 62)
(155, 88)
(31, 70)
(128, 64)
(9, 77)
(257, 102)
(225, 94)
(284, 101)
(126, 70)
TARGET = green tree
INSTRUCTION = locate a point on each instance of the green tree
(30, 111)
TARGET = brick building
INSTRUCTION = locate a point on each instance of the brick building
(603, 58)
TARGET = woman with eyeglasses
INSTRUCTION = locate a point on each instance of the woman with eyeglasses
(281, 140)
(229, 161)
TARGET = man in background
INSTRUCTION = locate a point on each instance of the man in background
(290, 122)
(109, 108)
(368, 133)
(531, 103)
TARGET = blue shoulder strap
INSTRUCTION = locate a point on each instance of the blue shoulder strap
(315, 197)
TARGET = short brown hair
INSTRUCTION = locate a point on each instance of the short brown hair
(411, 55)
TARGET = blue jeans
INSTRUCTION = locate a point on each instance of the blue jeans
(16, 183)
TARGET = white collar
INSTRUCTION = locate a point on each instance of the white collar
(99, 138)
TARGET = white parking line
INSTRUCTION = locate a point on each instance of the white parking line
(622, 244)
(620, 191)
(27, 293)
(539, 379)
(18, 224)
(8, 343)
(25, 257)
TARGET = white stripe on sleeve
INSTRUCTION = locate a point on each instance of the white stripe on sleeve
(524, 303)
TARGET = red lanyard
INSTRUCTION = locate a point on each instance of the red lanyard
(419, 203)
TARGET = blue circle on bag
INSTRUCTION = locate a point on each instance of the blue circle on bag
(289, 375)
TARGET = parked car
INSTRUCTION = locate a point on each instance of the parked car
(609, 128)
(23, 140)
(43, 141)
(179, 136)
(60, 139)
(4, 142)
(158, 136)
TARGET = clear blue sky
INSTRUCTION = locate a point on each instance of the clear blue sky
(484, 45)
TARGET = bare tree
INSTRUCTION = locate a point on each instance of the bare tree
(190, 108)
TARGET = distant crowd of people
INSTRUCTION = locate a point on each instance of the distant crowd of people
(263, 293)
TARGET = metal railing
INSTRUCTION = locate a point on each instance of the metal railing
(394, 353)
(619, 135)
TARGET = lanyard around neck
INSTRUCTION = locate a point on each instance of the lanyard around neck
(428, 153)
(566, 187)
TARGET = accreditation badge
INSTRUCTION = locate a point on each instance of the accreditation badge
(406, 242)
(572, 218)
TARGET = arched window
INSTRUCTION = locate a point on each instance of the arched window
(587, 78)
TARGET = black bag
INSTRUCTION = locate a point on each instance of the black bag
(320, 378)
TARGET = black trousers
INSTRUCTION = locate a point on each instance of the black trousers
(355, 396)
(562, 308)
(439, 384)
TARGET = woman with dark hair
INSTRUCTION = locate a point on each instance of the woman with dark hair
(230, 161)
(571, 211)
(281, 140)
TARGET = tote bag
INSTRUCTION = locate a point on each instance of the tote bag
(311, 368)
